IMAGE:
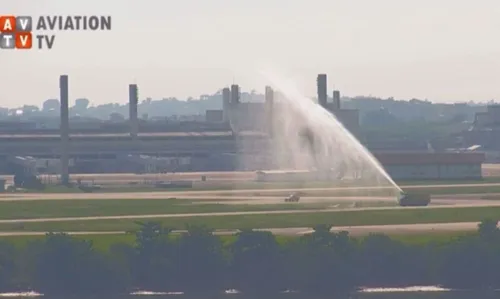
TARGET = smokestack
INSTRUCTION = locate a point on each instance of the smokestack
(269, 95)
(235, 94)
(336, 100)
(63, 87)
(269, 108)
(133, 98)
(322, 90)
(226, 100)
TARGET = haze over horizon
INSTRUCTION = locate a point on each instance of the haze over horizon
(444, 51)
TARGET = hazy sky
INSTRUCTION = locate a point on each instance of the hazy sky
(442, 50)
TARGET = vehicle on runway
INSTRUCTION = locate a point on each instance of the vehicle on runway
(414, 200)
(294, 197)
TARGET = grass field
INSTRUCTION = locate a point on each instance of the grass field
(111, 207)
(104, 242)
(117, 207)
(337, 218)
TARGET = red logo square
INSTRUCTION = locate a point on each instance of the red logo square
(7, 24)
(24, 40)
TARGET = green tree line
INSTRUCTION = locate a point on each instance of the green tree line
(254, 262)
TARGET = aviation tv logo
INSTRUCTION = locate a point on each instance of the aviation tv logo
(16, 32)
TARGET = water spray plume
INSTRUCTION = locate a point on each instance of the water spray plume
(309, 137)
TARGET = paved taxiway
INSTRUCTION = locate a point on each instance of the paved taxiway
(253, 193)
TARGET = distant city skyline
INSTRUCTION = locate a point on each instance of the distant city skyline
(444, 51)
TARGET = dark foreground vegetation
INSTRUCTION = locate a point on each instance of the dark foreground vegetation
(198, 262)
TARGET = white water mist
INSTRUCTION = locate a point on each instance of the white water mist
(308, 137)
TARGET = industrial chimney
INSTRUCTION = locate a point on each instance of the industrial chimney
(322, 90)
(133, 99)
(64, 127)
(235, 94)
(269, 109)
(226, 99)
(336, 100)
(269, 95)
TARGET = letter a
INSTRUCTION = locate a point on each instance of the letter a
(7, 26)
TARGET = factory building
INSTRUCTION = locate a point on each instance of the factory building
(246, 116)
(214, 116)
(213, 150)
(485, 132)
(432, 166)
(348, 117)
(400, 166)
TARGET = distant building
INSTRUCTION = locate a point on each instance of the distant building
(249, 116)
(348, 117)
(485, 132)
(402, 166)
(488, 119)
(212, 116)
(432, 166)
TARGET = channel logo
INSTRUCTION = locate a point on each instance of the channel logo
(16, 32)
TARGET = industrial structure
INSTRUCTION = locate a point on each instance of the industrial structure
(432, 166)
(400, 166)
(133, 100)
(239, 128)
(485, 133)
(65, 149)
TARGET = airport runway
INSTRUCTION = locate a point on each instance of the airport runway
(215, 194)
(117, 178)
(400, 229)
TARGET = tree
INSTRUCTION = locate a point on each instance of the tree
(488, 228)
(51, 104)
(201, 265)
(322, 263)
(257, 263)
(9, 267)
(153, 259)
(81, 104)
(63, 265)
(28, 110)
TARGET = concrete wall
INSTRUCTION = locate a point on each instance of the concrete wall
(81, 146)
(214, 116)
(426, 172)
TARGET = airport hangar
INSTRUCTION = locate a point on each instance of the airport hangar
(248, 135)
(209, 151)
